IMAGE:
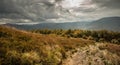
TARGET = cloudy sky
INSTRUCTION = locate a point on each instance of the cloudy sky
(57, 10)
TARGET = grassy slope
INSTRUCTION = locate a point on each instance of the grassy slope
(19, 47)
(98, 54)
(32, 48)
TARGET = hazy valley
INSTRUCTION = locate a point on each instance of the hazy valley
(108, 23)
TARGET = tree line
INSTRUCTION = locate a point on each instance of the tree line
(98, 36)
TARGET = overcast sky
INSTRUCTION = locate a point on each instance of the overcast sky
(57, 10)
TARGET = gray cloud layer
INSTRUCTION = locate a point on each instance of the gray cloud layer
(37, 9)
(53, 10)
(108, 3)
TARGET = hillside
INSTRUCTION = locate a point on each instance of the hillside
(31, 48)
(98, 36)
(18, 47)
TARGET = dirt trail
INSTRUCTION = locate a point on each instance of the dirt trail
(92, 55)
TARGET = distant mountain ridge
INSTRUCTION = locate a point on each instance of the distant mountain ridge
(67, 25)
(107, 23)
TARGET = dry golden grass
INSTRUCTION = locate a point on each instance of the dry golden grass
(94, 55)
(114, 48)
(31, 48)
(18, 47)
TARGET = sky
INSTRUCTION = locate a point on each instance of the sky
(12, 11)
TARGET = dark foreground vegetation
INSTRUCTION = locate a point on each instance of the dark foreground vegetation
(18, 47)
(98, 36)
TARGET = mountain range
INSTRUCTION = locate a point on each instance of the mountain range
(107, 23)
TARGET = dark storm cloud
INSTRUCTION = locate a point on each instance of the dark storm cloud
(9, 7)
(108, 3)
(42, 10)
(100, 4)
(14, 9)
(84, 10)
(29, 9)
